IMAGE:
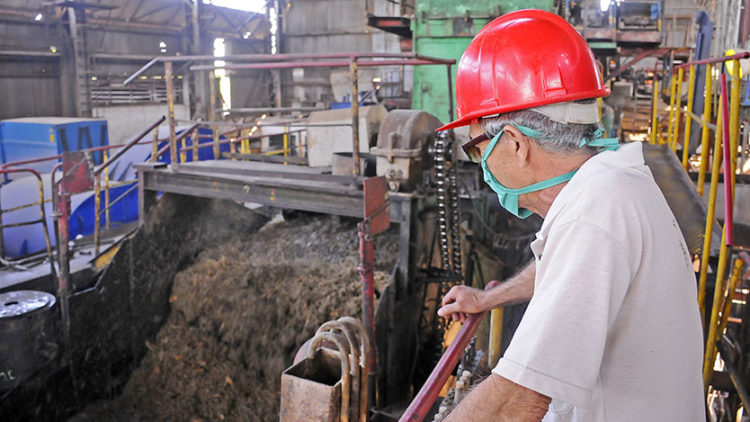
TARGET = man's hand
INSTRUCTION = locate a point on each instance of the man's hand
(463, 300)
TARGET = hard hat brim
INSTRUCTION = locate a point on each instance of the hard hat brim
(467, 119)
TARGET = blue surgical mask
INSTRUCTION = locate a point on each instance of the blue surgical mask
(508, 197)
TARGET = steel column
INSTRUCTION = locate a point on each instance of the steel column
(708, 94)
(170, 107)
(688, 118)
(355, 116)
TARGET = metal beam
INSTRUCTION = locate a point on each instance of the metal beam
(155, 10)
(272, 192)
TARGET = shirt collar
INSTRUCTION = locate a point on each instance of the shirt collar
(628, 155)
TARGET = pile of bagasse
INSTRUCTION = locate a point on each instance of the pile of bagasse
(238, 315)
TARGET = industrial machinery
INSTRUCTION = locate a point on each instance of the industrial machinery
(111, 291)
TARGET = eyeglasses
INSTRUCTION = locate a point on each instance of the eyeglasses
(472, 150)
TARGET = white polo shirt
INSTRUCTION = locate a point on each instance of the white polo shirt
(613, 331)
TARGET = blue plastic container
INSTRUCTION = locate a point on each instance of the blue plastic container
(36, 137)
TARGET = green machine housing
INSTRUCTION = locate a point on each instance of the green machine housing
(444, 28)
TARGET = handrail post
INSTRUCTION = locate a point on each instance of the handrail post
(688, 118)
(678, 108)
(183, 150)
(106, 193)
(2, 231)
(710, 215)
(670, 123)
(496, 336)
(734, 113)
(286, 143)
(215, 134)
(97, 214)
(170, 109)
(355, 115)
(155, 145)
(194, 144)
(733, 281)
(654, 112)
(717, 324)
(233, 147)
(705, 131)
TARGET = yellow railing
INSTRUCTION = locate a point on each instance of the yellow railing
(726, 110)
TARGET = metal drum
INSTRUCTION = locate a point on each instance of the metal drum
(28, 338)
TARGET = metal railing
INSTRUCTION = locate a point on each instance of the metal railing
(21, 167)
(722, 99)
(289, 61)
(42, 220)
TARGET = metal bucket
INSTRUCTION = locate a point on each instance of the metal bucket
(28, 338)
(311, 388)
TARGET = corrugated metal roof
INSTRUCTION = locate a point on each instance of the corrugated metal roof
(168, 13)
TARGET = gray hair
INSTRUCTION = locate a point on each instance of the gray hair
(555, 137)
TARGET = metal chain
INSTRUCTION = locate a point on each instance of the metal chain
(456, 218)
(442, 198)
(439, 160)
(446, 181)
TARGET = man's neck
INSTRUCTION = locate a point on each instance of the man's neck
(549, 166)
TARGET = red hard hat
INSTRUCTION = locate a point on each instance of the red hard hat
(524, 59)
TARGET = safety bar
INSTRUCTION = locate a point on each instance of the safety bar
(725, 150)
(97, 182)
(129, 145)
(714, 60)
(429, 392)
(281, 58)
(293, 65)
(286, 61)
(42, 220)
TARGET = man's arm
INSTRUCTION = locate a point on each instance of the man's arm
(498, 399)
(462, 300)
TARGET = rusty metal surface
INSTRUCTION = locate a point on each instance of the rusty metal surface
(402, 146)
(376, 210)
(311, 389)
(681, 195)
(78, 172)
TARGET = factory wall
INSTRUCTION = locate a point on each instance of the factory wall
(339, 26)
(128, 120)
(31, 71)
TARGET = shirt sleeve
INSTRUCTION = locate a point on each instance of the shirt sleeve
(581, 280)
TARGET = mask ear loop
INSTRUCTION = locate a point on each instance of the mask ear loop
(610, 144)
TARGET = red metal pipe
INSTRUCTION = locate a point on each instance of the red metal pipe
(62, 216)
(728, 199)
(308, 64)
(179, 138)
(31, 161)
(129, 145)
(427, 395)
(715, 60)
(283, 57)
(367, 272)
(59, 156)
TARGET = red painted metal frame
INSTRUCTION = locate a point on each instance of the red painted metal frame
(376, 220)
(284, 57)
(738, 56)
(129, 145)
(293, 65)
(429, 392)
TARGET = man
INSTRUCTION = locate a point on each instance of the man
(612, 331)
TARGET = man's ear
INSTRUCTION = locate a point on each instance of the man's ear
(520, 145)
